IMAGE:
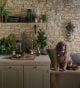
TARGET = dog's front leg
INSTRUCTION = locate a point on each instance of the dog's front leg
(65, 64)
(58, 67)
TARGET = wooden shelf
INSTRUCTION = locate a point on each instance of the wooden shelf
(19, 23)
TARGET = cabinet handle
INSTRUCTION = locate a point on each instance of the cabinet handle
(9, 67)
(35, 67)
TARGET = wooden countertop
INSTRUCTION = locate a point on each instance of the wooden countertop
(66, 71)
(38, 60)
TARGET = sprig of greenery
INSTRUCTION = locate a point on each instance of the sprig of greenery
(3, 12)
(69, 30)
(41, 39)
(6, 45)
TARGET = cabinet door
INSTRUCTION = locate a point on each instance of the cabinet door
(36, 77)
(65, 80)
(11, 77)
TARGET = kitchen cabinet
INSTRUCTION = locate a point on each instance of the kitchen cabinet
(11, 77)
(66, 79)
(25, 73)
(36, 76)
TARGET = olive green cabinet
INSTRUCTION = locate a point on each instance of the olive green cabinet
(11, 77)
(24, 77)
(25, 73)
(36, 77)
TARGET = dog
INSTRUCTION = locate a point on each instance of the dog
(63, 58)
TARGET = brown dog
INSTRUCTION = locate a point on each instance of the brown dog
(63, 59)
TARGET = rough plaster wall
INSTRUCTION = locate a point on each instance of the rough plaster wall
(59, 12)
(63, 11)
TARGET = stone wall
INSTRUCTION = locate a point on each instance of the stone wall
(59, 13)
(18, 28)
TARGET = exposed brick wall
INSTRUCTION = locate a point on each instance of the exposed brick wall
(59, 12)
(19, 28)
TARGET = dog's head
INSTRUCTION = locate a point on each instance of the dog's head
(61, 48)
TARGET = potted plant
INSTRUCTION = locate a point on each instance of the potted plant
(3, 13)
(69, 30)
(41, 41)
(6, 45)
(52, 54)
(44, 18)
(30, 16)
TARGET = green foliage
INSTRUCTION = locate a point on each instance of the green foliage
(6, 45)
(41, 41)
(31, 15)
(70, 28)
(3, 12)
(35, 44)
(44, 18)
(2, 7)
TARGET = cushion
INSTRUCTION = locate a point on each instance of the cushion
(76, 58)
